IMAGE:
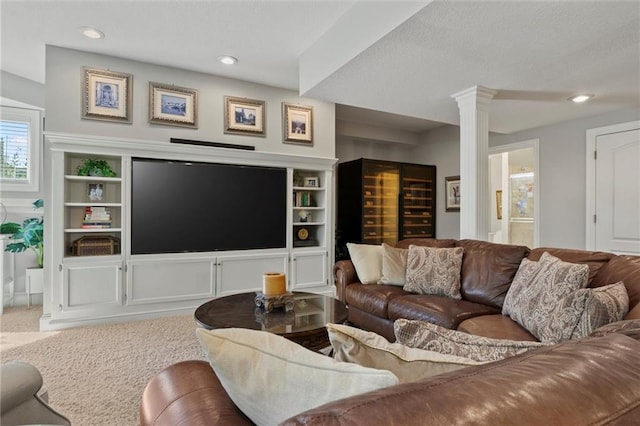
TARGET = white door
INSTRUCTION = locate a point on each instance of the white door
(617, 192)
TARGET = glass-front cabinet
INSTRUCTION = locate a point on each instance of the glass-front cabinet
(418, 201)
(384, 201)
(380, 183)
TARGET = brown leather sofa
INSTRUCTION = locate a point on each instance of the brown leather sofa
(486, 274)
(595, 380)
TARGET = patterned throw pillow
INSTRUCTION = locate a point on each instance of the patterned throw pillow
(432, 337)
(434, 271)
(371, 350)
(394, 265)
(598, 307)
(538, 290)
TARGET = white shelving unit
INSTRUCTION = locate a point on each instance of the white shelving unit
(101, 288)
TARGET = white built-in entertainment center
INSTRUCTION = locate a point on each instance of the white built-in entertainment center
(83, 288)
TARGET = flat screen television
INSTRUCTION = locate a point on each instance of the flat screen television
(179, 206)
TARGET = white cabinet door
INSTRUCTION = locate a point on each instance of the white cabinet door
(242, 273)
(91, 285)
(309, 269)
(160, 280)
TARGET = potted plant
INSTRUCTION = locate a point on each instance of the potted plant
(29, 235)
(94, 167)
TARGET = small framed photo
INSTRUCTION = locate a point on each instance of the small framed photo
(172, 105)
(244, 116)
(95, 192)
(106, 95)
(297, 124)
(452, 193)
(499, 203)
(312, 182)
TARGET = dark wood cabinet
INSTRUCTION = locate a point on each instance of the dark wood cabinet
(384, 201)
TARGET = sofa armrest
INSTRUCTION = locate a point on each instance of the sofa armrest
(344, 273)
(188, 393)
(19, 400)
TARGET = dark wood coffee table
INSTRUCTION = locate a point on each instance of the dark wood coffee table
(304, 325)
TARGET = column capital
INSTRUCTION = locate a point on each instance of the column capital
(476, 94)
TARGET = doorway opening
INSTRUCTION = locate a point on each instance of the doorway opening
(514, 191)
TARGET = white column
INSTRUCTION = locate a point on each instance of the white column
(473, 104)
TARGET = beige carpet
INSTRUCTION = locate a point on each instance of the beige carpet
(96, 375)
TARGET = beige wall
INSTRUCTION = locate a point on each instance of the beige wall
(562, 174)
(63, 105)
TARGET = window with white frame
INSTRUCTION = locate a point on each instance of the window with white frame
(19, 149)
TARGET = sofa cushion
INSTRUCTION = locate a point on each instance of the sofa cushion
(590, 308)
(271, 378)
(394, 265)
(369, 349)
(488, 269)
(431, 337)
(367, 259)
(427, 242)
(629, 328)
(373, 298)
(497, 327)
(538, 290)
(594, 259)
(434, 271)
(625, 269)
(436, 309)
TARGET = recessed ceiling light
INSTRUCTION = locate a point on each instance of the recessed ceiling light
(92, 32)
(228, 60)
(580, 98)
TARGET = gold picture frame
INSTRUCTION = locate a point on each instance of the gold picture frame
(171, 105)
(499, 203)
(297, 124)
(452, 193)
(244, 116)
(106, 95)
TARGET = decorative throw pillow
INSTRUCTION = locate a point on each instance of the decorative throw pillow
(434, 271)
(271, 378)
(599, 306)
(367, 259)
(540, 292)
(394, 265)
(432, 337)
(372, 350)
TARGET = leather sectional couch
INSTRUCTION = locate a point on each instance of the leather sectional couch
(593, 380)
(486, 274)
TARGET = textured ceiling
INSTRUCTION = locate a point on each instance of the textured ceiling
(402, 58)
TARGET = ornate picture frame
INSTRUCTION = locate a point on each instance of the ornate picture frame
(297, 124)
(452, 193)
(244, 116)
(106, 95)
(173, 105)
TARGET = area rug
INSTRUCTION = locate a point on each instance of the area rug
(96, 375)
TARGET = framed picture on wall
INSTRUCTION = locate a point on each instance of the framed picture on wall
(106, 95)
(172, 105)
(297, 124)
(452, 193)
(244, 116)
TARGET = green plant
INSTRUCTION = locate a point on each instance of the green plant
(93, 167)
(29, 235)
